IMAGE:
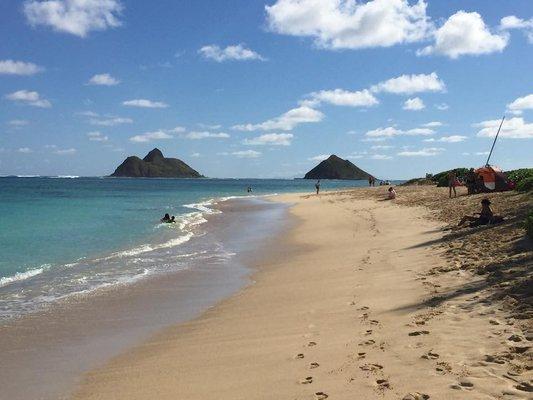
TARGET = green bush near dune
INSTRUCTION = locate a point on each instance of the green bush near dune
(523, 178)
(529, 224)
(442, 177)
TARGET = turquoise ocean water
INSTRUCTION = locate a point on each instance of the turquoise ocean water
(64, 236)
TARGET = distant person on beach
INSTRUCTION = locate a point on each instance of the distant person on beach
(317, 186)
(470, 181)
(249, 190)
(392, 193)
(452, 177)
(166, 218)
(369, 181)
(485, 217)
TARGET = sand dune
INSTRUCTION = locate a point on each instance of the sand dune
(357, 301)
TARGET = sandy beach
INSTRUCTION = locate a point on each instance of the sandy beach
(360, 299)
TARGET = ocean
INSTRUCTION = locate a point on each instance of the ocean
(62, 237)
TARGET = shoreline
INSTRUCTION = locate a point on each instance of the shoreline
(45, 353)
(352, 311)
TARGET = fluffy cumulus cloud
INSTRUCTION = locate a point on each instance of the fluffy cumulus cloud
(410, 84)
(380, 157)
(425, 152)
(285, 122)
(465, 33)
(29, 98)
(77, 17)
(11, 67)
(231, 53)
(513, 128)
(414, 104)
(97, 137)
(246, 154)
(65, 152)
(351, 24)
(392, 131)
(513, 22)
(432, 124)
(320, 157)
(103, 80)
(150, 136)
(143, 103)
(340, 97)
(271, 139)
(206, 135)
(520, 104)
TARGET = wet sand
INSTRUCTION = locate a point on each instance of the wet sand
(360, 303)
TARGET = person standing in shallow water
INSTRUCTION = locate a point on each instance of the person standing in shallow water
(317, 186)
(452, 177)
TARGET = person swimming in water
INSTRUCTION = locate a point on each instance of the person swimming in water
(166, 218)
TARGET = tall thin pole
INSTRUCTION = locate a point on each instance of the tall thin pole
(493, 143)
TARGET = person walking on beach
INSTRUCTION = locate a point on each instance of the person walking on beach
(369, 181)
(452, 177)
(317, 186)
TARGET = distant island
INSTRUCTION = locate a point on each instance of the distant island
(336, 168)
(155, 165)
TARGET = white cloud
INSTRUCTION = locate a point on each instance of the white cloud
(18, 122)
(25, 150)
(520, 104)
(410, 84)
(110, 121)
(231, 53)
(381, 147)
(103, 80)
(482, 153)
(150, 136)
(380, 157)
(97, 137)
(271, 139)
(320, 157)
(425, 152)
(285, 122)
(205, 135)
(347, 24)
(65, 152)
(465, 34)
(195, 155)
(11, 67)
(77, 17)
(143, 103)
(392, 131)
(448, 139)
(433, 124)
(414, 104)
(513, 128)
(246, 154)
(210, 127)
(340, 97)
(442, 106)
(177, 129)
(513, 22)
(30, 98)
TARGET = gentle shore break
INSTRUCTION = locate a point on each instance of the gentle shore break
(367, 299)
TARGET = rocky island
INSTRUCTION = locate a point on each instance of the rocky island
(155, 165)
(336, 168)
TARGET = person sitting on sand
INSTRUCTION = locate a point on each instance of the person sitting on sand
(392, 193)
(166, 218)
(485, 217)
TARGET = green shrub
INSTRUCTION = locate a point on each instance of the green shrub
(525, 185)
(519, 175)
(529, 224)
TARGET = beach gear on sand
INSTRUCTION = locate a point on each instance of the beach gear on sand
(492, 179)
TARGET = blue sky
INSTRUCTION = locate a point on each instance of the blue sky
(249, 88)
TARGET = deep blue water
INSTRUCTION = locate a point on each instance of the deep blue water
(60, 236)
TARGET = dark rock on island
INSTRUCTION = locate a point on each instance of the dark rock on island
(155, 165)
(336, 168)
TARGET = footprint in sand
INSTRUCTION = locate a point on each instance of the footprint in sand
(367, 342)
(430, 356)
(383, 384)
(361, 354)
(311, 344)
(418, 333)
(374, 322)
(443, 368)
(364, 308)
(371, 367)
(299, 355)
(307, 380)
(416, 396)
(525, 387)
(463, 385)
(314, 365)
(368, 332)
(321, 395)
